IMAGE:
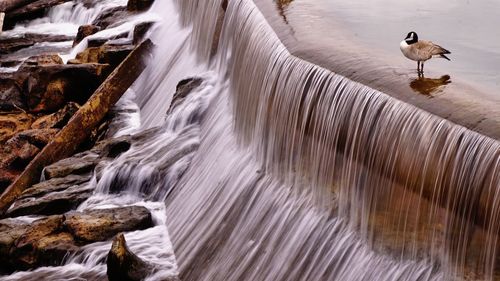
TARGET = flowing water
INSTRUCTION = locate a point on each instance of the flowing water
(277, 169)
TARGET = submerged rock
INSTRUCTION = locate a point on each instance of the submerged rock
(184, 87)
(123, 265)
(102, 224)
(140, 31)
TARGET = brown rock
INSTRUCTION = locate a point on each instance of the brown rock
(45, 59)
(111, 55)
(123, 265)
(19, 150)
(42, 244)
(100, 225)
(139, 5)
(84, 31)
(57, 119)
(12, 123)
(49, 87)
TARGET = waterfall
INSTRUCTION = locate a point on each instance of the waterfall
(277, 169)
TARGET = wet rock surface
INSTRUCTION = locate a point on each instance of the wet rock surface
(55, 196)
(84, 31)
(30, 11)
(11, 44)
(46, 241)
(123, 265)
(103, 224)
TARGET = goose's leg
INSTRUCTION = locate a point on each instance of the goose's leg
(422, 68)
(418, 66)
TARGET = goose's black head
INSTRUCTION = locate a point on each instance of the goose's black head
(411, 38)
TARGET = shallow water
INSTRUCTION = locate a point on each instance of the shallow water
(467, 28)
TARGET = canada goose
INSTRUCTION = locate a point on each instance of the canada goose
(421, 50)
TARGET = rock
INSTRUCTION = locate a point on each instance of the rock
(84, 31)
(30, 11)
(45, 59)
(37, 137)
(102, 224)
(10, 95)
(10, 231)
(111, 55)
(56, 202)
(49, 87)
(123, 265)
(57, 119)
(9, 5)
(184, 87)
(139, 5)
(78, 164)
(55, 196)
(43, 244)
(140, 31)
(12, 123)
(111, 17)
(19, 150)
(85, 162)
(11, 44)
(46, 241)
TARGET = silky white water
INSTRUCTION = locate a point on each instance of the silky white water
(277, 169)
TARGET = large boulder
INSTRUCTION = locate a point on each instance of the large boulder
(123, 265)
(103, 224)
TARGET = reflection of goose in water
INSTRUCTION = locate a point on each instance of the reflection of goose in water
(429, 86)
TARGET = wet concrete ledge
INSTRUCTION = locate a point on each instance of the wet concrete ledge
(458, 102)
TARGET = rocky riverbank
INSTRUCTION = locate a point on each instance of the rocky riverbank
(37, 100)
